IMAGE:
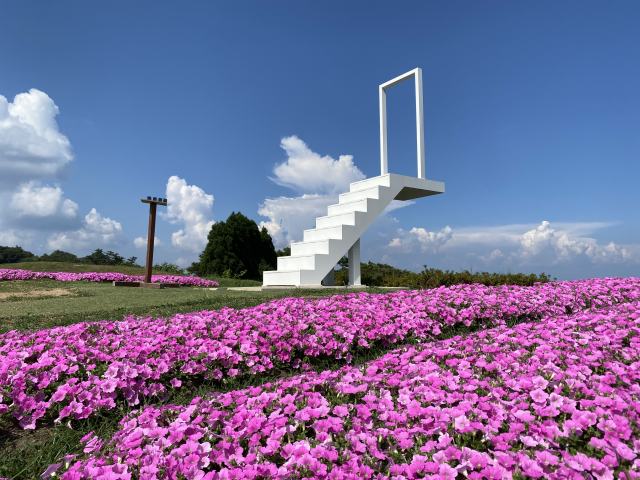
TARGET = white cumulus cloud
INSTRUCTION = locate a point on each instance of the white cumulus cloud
(290, 216)
(318, 179)
(546, 242)
(419, 238)
(306, 171)
(11, 237)
(34, 200)
(31, 145)
(96, 231)
(192, 208)
(551, 247)
(33, 151)
(141, 242)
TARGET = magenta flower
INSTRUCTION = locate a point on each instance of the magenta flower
(15, 274)
(355, 422)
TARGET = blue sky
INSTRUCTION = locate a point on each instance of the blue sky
(532, 118)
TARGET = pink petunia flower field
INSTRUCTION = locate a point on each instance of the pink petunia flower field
(469, 382)
(7, 274)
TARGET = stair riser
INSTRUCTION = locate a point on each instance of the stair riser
(281, 278)
(297, 263)
(335, 220)
(310, 248)
(371, 182)
(360, 206)
(324, 234)
(359, 195)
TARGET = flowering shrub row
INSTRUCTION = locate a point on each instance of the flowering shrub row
(76, 370)
(15, 274)
(555, 399)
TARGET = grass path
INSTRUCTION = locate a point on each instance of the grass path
(20, 309)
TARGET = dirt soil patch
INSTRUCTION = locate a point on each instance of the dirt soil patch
(51, 292)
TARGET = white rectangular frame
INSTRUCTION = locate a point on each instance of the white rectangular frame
(417, 74)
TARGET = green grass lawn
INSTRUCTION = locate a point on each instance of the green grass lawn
(62, 303)
(35, 304)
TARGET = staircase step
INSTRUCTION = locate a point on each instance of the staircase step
(316, 234)
(297, 262)
(281, 277)
(361, 205)
(309, 248)
(383, 180)
(349, 218)
(372, 192)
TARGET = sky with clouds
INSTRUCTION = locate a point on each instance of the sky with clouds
(532, 115)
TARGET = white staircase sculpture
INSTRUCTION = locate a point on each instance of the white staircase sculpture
(323, 246)
(339, 232)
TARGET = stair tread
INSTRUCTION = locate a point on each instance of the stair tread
(326, 228)
(311, 241)
(289, 271)
(338, 214)
(350, 202)
(301, 256)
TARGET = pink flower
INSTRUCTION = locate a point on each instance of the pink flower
(539, 396)
(447, 472)
(625, 452)
(461, 423)
(531, 468)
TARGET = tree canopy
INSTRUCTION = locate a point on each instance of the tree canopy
(14, 254)
(237, 248)
(59, 256)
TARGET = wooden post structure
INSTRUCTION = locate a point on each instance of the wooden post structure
(151, 232)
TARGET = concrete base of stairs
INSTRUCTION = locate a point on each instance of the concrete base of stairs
(315, 287)
(337, 288)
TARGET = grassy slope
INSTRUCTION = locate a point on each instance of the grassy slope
(102, 301)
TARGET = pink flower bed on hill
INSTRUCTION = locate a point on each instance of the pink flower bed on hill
(558, 398)
(77, 370)
(16, 274)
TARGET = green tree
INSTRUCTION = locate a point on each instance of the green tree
(131, 261)
(237, 248)
(268, 254)
(14, 254)
(59, 256)
(99, 257)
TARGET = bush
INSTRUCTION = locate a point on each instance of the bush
(99, 257)
(383, 275)
(236, 248)
(15, 254)
(59, 256)
(169, 268)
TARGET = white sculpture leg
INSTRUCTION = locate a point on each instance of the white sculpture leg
(354, 264)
